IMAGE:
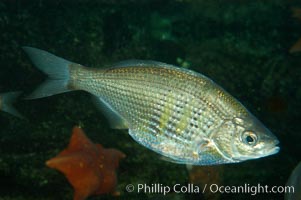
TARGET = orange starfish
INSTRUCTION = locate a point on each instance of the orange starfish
(89, 167)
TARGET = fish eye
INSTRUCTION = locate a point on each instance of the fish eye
(250, 138)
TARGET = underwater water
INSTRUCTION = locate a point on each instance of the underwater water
(243, 45)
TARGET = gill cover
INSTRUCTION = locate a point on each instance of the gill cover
(223, 140)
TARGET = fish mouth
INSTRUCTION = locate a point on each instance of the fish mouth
(270, 150)
(267, 151)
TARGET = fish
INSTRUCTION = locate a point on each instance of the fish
(180, 114)
(294, 184)
(6, 101)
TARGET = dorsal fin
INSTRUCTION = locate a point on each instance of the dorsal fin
(151, 63)
(140, 63)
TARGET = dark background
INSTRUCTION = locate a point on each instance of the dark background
(242, 45)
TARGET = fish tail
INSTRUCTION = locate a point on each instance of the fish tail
(55, 67)
(7, 99)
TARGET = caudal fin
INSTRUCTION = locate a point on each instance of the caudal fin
(55, 67)
(7, 99)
